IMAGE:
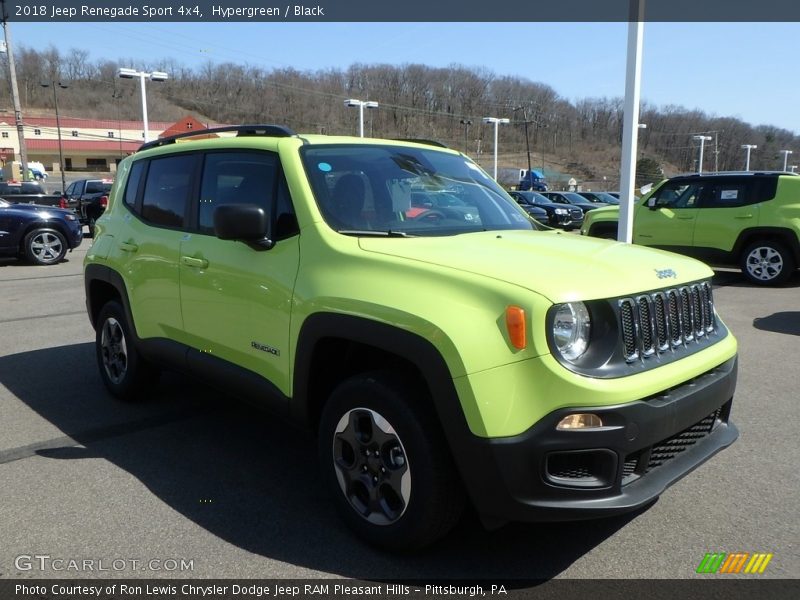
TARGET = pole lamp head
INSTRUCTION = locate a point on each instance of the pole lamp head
(124, 73)
(488, 120)
(352, 102)
(158, 76)
(371, 104)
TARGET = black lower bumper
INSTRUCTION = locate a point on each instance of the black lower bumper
(643, 447)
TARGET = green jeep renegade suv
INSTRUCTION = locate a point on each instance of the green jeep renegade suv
(747, 219)
(440, 356)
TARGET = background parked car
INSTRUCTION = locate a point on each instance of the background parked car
(616, 195)
(563, 217)
(40, 234)
(600, 198)
(570, 198)
(88, 198)
(728, 218)
(29, 192)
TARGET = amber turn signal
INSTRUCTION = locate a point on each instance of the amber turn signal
(515, 323)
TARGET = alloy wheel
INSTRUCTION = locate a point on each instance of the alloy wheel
(114, 350)
(371, 466)
(46, 247)
(764, 263)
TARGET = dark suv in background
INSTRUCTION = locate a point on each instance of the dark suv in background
(558, 215)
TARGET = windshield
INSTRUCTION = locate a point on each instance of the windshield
(396, 190)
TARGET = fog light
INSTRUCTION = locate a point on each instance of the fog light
(579, 421)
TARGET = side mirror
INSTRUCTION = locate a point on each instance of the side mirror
(651, 203)
(246, 223)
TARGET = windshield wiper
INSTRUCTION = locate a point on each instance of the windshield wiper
(375, 233)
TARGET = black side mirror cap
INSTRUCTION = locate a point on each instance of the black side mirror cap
(246, 223)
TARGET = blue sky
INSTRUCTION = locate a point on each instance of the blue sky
(744, 70)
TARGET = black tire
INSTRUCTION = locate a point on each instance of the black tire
(45, 246)
(406, 493)
(123, 370)
(766, 262)
(604, 232)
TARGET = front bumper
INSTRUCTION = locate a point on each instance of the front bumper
(75, 237)
(645, 446)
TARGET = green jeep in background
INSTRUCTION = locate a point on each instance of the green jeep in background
(750, 220)
(442, 353)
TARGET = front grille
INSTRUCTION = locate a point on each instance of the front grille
(644, 461)
(576, 214)
(665, 320)
(576, 473)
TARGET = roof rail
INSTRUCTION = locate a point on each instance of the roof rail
(422, 141)
(241, 131)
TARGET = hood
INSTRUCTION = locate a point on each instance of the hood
(559, 266)
(36, 208)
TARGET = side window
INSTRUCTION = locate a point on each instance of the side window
(166, 188)
(679, 195)
(132, 187)
(236, 178)
(727, 196)
(70, 190)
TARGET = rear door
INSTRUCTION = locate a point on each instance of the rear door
(147, 242)
(728, 208)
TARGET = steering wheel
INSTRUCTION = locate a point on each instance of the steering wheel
(430, 215)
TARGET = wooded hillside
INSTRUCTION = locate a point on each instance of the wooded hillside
(416, 101)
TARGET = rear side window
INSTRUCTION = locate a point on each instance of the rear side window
(95, 187)
(166, 189)
(132, 187)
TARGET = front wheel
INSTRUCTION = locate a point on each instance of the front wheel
(385, 461)
(123, 370)
(45, 246)
(767, 263)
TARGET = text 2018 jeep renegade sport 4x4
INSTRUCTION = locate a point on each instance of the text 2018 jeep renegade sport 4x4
(440, 356)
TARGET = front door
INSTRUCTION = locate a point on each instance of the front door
(236, 300)
(671, 223)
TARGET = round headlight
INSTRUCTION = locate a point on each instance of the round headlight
(571, 329)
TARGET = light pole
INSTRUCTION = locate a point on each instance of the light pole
(124, 73)
(466, 123)
(55, 87)
(702, 139)
(529, 176)
(792, 168)
(361, 104)
(786, 154)
(748, 147)
(496, 122)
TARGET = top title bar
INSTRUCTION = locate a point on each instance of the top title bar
(403, 10)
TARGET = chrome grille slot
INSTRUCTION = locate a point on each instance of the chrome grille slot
(674, 312)
(687, 317)
(699, 311)
(627, 319)
(665, 320)
(661, 320)
(646, 326)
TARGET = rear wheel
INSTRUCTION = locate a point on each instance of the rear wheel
(45, 246)
(385, 461)
(123, 370)
(767, 263)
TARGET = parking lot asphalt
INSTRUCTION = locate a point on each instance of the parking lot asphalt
(193, 475)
